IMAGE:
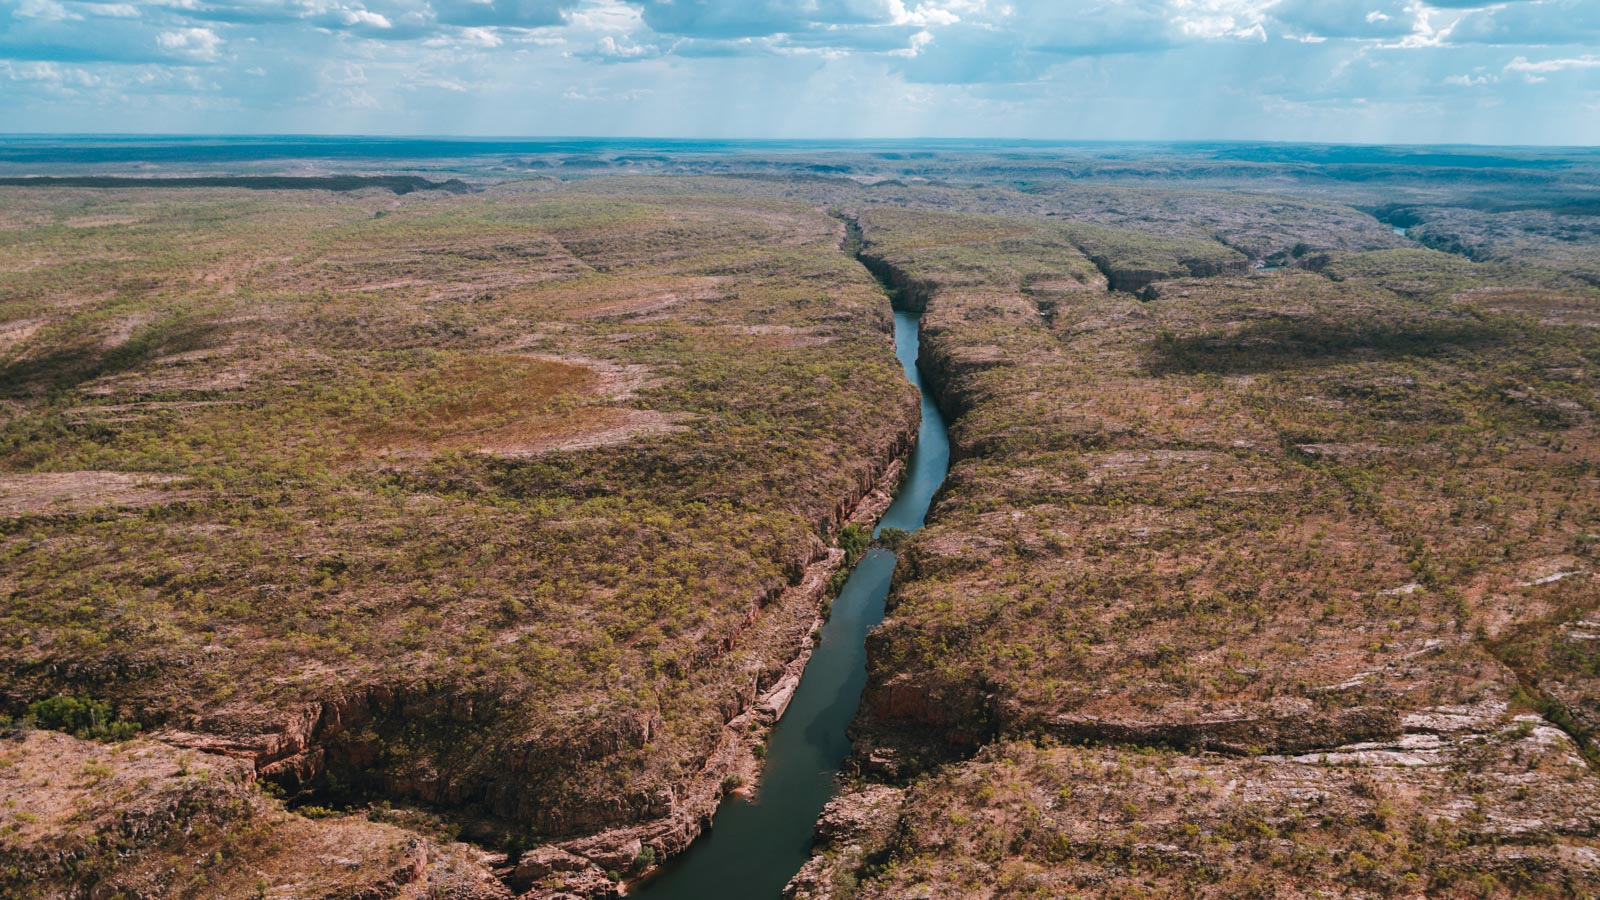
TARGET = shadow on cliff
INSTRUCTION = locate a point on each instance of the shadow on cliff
(1277, 345)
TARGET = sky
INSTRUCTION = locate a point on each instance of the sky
(1367, 71)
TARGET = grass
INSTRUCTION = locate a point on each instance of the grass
(1255, 514)
(535, 455)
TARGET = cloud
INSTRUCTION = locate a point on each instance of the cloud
(1469, 4)
(930, 13)
(438, 85)
(1113, 27)
(503, 13)
(110, 10)
(614, 48)
(970, 56)
(1478, 78)
(1535, 72)
(1347, 18)
(1535, 22)
(244, 12)
(1289, 69)
(365, 18)
(40, 34)
(48, 10)
(49, 74)
(762, 18)
(865, 38)
(196, 43)
(1020, 42)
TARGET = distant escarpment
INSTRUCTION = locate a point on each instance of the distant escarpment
(397, 184)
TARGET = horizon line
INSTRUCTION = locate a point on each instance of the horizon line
(466, 138)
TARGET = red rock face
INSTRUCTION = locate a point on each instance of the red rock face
(146, 818)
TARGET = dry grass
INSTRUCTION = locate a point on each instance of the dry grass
(530, 461)
(1275, 513)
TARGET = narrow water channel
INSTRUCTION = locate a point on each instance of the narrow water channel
(755, 846)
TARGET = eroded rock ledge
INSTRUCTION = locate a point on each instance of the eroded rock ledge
(1461, 790)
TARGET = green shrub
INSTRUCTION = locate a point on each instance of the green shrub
(645, 858)
(893, 538)
(854, 540)
(82, 717)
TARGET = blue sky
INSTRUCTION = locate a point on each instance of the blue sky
(1416, 71)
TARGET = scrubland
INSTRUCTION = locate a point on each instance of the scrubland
(1268, 583)
(490, 503)
(441, 543)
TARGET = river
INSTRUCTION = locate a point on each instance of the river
(756, 845)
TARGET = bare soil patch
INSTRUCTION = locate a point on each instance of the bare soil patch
(51, 493)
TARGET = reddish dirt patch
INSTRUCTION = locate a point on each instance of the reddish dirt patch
(52, 493)
(534, 405)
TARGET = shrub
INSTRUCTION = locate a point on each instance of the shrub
(645, 858)
(81, 717)
(854, 540)
(893, 538)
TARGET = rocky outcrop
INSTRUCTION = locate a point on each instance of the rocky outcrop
(905, 291)
(148, 819)
(1133, 279)
(1129, 280)
(854, 829)
(1370, 817)
(1289, 726)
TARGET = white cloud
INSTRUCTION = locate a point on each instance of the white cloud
(482, 38)
(365, 17)
(606, 15)
(621, 48)
(438, 84)
(1534, 72)
(914, 46)
(198, 43)
(1112, 68)
(1530, 22)
(930, 13)
(47, 10)
(577, 95)
(1218, 19)
(112, 10)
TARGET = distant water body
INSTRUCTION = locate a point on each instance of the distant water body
(221, 150)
